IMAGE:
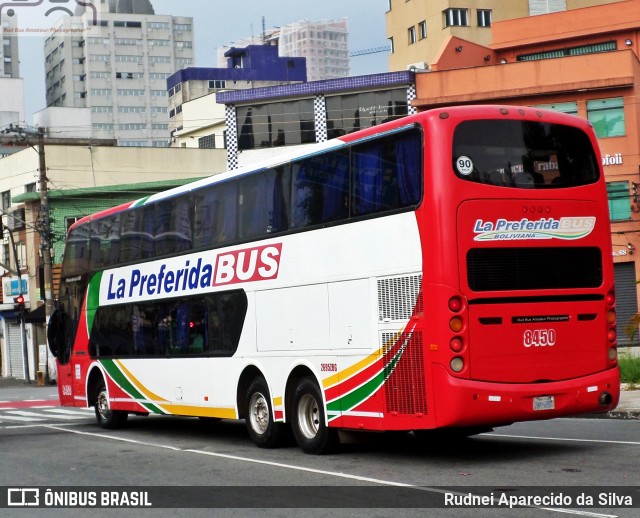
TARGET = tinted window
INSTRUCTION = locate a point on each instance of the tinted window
(173, 231)
(320, 189)
(523, 154)
(137, 232)
(105, 241)
(209, 325)
(76, 253)
(215, 214)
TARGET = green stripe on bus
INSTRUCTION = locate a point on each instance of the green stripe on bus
(354, 398)
(120, 379)
(93, 299)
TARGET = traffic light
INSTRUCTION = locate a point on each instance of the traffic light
(19, 303)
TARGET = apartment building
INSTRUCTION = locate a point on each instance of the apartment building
(418, 29)
(118, 70)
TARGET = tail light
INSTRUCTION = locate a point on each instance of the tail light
(457, 326)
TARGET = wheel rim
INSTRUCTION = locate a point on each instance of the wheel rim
(102, 404)
(259, 413)
(308, 416)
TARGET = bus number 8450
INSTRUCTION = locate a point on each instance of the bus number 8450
(539, 338)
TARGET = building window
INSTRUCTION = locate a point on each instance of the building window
(569, 107)
(411, 32)
(6, 200)
(275, 125)
(484, 17)
(352, 112)
(68, 221)
(607, 117)
(619, 201)
(455, 17)
(217, 84)
(207, 142)
(30, 187)
(422, 29)
(595, 48)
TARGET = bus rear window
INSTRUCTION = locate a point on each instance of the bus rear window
(523, 154)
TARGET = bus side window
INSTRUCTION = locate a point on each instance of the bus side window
(320, 189)
(136, 235)
(226, 314)
(105, 242)
(173, 232)
(262, 203)
(215, 215)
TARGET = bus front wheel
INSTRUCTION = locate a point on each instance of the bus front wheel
(107, 418)
(263, 430)
(308, 419)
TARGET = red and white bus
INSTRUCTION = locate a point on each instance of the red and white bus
(448, 270)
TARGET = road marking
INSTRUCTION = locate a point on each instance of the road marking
(77, 413)
(43, 414)
(31, 403)
(40, 416)
(563, 439)
(336, 474)
(5, 417)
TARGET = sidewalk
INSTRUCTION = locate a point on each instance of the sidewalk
(628, 407)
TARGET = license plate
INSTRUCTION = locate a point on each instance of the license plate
(544, 403)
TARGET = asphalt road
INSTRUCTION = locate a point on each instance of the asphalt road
(371, 474)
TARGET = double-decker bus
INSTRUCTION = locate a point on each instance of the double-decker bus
(448, 270)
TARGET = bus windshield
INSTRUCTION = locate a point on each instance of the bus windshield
(523, 154)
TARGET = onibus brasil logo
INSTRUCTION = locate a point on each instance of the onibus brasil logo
(567, 228)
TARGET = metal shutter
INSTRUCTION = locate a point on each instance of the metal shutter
(626, 301)
(16, 360)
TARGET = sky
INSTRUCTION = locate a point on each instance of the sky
(218, 23)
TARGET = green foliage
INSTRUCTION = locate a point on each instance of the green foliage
(629, 369)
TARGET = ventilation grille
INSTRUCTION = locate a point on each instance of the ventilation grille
(397, 297)
(405, 390)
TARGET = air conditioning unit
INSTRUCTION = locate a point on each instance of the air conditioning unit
(420, 65)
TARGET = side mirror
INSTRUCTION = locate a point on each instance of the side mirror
(56, 332)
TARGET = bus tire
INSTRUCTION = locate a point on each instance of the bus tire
(107, 418)
(308, 419)
(263, 430)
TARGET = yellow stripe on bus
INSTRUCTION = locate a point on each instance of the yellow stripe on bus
(198, 411)
(148, 394)
(361, 365)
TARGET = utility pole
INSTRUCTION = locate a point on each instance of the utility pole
(45, 234)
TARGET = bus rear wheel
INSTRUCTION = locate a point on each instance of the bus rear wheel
(308, 419)
(107, 418)
(262, 428)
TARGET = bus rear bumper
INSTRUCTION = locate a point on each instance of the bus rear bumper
(463, 403)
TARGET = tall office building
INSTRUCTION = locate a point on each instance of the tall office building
(118, 69)
(11, 85)
(9, 51)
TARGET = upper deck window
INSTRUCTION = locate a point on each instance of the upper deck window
(523, 154)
